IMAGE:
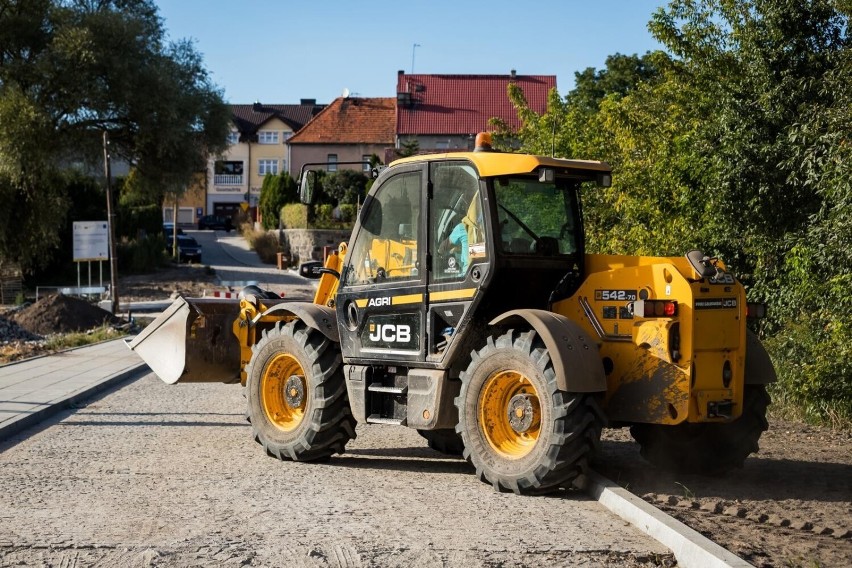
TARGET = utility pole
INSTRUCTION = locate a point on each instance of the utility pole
(413, 47)
(113, 261)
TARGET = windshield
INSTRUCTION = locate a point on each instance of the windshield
(535, 218)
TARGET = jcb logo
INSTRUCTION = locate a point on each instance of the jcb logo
(379, 302)
(390, 333)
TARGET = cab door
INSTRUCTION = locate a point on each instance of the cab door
(381, 297)
(458, 251)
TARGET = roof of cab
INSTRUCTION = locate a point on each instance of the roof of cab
(490, 164)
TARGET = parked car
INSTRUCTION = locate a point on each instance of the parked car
(168, 230)
(215, 222)
(188, 248)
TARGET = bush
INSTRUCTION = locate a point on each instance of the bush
(265, 245)
(295, 216)
(139, 256)
(323, 213)
(348, 212)
(813, 359)
(137, 220)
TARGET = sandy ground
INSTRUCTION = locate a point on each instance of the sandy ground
(790, 506)
(168, 475)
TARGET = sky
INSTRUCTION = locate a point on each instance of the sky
(282, 51)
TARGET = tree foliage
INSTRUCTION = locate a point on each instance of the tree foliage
(735, 141)
(277, 191)
(71, 69)
(346, 186)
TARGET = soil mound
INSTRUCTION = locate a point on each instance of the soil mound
(62, 314)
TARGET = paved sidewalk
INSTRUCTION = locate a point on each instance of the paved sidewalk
(34, 389)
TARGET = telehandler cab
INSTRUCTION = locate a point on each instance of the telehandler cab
(466, 307)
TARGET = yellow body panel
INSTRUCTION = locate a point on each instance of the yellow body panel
(658, 369)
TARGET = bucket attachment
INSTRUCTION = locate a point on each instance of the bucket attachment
(192, 342)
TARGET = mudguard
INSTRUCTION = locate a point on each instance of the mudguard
(758, 366)
(321, 318)
(569, 346)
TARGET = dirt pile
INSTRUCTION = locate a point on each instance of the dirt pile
(62, 314)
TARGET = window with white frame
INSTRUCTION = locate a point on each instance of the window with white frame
(233, 137)
(332, 162)
(288, 135)
(365, 167)
(267, 137)
(267, 167)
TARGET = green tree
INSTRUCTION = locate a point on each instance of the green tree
(408, 148)
(277, 191)
(346, 186)
(737, 143)
(71, 69)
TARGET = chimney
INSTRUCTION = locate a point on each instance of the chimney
(312, 102)
(257, 107)
(513, 73)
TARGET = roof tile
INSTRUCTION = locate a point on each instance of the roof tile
(248, 118)
(351, 120)
(463, 104)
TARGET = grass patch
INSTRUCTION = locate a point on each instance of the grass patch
(79, 339)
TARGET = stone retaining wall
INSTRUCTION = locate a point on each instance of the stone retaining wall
(301, 245)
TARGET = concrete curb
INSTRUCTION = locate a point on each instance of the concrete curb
(16, 425)
(691, 549)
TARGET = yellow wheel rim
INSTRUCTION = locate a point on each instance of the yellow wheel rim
(283, 392)
(510, 414)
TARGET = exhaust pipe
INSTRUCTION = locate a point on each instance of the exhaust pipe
(192, 342)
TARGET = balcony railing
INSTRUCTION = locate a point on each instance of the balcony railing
(227, 179)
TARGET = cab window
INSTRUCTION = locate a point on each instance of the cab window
(534, 218)
(457, 233)
(385, 248)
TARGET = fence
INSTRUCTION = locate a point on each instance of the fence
(11, 284)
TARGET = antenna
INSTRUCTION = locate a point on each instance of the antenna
(413, 47)
(345, 94)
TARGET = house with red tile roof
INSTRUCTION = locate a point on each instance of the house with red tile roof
(349, 129)
(257, 147)
(445, 112)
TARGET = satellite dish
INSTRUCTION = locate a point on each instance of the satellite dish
(345, 93)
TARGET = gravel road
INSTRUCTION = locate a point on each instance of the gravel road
(158, 475)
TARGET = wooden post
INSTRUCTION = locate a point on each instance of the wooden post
(113, 261)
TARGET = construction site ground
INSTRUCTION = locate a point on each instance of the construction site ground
(791, 505)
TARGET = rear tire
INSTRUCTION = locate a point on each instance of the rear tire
(444, 440)
(521, 432)
(709, 449)
(297, 401)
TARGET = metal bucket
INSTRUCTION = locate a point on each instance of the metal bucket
(192, 342)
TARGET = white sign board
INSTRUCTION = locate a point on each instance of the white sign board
(91, 240)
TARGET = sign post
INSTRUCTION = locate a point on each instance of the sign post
(91, 242)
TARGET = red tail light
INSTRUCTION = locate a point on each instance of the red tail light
(655, 308)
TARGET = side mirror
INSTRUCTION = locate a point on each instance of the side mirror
(306, 187)
(604, 180)
(702, 264)
(311, 269)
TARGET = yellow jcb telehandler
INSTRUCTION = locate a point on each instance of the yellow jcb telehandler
(465, 306)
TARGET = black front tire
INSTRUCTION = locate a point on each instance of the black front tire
(297, 401)
(519, 430)
(706, 448)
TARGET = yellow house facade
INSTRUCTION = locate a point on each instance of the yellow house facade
(257, 148)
